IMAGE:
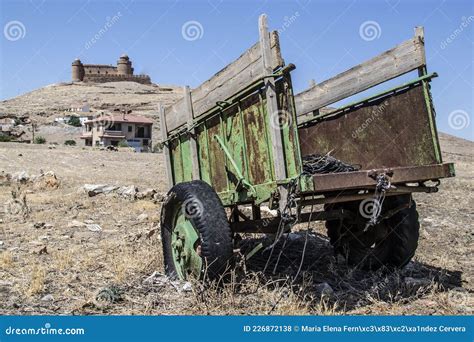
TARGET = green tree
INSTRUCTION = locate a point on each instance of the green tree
(74, 121)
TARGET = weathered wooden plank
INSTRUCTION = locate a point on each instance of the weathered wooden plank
(420, 33)
(231, 79)
(176, 115)
(192, 138)
(166, 151)
(235, 77)
(408, 56)
(272, 102)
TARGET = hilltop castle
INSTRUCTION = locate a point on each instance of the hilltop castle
(101, 73)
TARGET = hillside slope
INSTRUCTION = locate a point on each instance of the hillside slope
(55, 99)
(43, 105)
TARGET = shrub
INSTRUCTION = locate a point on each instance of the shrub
(40, 140)
(70, 143)
(74, 121)
(123, 143)
(5, 138)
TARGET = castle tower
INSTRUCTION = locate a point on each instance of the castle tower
(77, 70)
(124, 66)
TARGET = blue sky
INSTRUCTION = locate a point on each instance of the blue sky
(321, 37)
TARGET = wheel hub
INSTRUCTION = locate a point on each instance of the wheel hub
(185, 246)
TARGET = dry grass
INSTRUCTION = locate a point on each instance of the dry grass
(63, 260)
(6, 260)
(80, 266)
(37, 281)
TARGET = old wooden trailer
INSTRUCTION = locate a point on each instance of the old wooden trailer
(243, 139)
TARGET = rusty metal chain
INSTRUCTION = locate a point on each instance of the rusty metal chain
(383, 184)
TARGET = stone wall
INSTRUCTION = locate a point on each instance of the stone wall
(100, 69)
(102, 78)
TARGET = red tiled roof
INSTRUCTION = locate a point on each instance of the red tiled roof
(122, 119)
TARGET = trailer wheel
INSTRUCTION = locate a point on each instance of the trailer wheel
(196, 236)
(391, 243)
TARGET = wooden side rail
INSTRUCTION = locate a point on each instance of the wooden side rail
(406, 57)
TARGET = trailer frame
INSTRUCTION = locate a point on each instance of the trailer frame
(240, 132)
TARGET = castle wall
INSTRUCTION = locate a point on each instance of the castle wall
(99, 69)
(102, 78)
(100, 73)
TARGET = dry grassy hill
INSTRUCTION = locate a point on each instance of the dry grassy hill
(45, 104)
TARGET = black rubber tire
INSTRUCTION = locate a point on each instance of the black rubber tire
(391, 243)
(210, 222)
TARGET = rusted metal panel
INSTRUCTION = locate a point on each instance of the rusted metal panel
(192, 136)
(216, 156)
(288, 125)
(244, 129)
(388, 132)
(233, 132)
(234, 147)
(175, 154)
(180, 161)
(362, 179)
(203, 153)
(257, 139)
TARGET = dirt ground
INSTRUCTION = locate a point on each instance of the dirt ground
(54, 259)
